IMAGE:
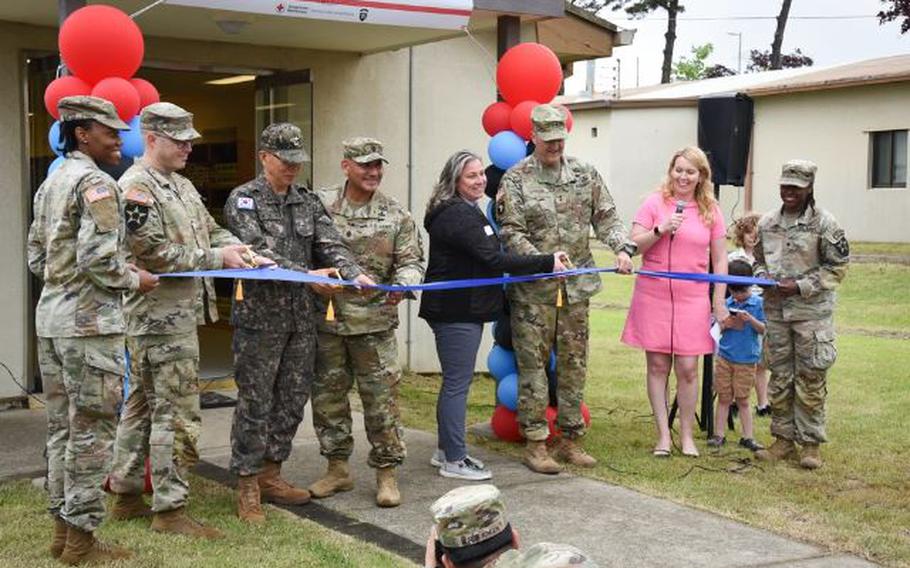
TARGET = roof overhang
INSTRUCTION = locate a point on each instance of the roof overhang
(572, 33)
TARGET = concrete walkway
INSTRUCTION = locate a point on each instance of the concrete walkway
(617, 526)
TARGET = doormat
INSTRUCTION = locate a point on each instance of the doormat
(209, 399)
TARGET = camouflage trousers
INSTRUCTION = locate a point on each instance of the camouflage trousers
(536, 328)
(161, 419)
(273, 371)
(799, 355)
(83, 384)
(370, 360)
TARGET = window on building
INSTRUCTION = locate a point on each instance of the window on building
(889, 158)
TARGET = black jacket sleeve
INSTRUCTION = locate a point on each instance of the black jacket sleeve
(465, 228)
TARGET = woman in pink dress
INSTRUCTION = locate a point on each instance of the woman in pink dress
(671, 319)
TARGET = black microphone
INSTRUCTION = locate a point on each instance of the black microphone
(680, 205)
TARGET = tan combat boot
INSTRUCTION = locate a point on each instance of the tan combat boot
(58, 542)
(571, 452)
(387, 494)
(82, 548)
(178, 522)
(780, 450)
(275, 489)
(537, 459)
(811, 457)
(337, 478)
(249, 507)
(129, 506)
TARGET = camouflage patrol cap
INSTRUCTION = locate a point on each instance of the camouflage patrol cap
(800, 173)
(168, 120)
(467, 516)
(546, 555)
(363, 150)
(84, 107)
(549, 122)
(285, 140)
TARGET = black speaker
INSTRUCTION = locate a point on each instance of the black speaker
(724, 133)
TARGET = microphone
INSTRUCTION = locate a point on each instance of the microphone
(680, 204)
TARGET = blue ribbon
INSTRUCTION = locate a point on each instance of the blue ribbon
(285, 275)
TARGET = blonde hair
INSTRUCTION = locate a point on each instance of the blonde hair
(743, 226)
(704, 191)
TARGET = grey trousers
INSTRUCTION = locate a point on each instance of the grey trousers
(456, 347)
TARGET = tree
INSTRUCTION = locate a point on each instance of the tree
(779, 34)
(761, 60)
(639, 9)
(696, 68)
(894, 10)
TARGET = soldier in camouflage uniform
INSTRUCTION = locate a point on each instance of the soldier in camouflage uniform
(470, 528)
(168, 230)
(804, 249)
(359, 345)
(75, 247)
(274, 326)
(548, 202)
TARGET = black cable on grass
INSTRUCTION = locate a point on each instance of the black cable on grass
(18, 384)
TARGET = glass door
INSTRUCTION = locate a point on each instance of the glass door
(288, 97)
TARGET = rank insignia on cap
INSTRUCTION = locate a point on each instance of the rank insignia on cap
(246, 203)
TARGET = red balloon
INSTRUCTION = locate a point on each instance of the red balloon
(120, 92)
(520, 121)
(496, 118)
(148, 94)
(552, 419)
(100, 41)
(569, 120)
(63, 87)
(505, 424)
(529, 72)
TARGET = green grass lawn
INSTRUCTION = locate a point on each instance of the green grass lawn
(285, 541)
(859, 502)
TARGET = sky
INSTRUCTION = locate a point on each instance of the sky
(829, 31)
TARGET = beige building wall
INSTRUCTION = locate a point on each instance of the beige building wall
(832, 129)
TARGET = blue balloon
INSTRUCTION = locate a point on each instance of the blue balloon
(507, 392)
(55, 164)
(506, 149)
(491, 217)
(501, 362)
(53, 138)
(133, 145)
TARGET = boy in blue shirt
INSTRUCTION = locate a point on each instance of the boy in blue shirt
(740, 352)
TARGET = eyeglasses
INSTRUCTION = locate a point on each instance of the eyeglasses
(181, 144)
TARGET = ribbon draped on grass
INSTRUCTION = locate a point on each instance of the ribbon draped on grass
(285, 275)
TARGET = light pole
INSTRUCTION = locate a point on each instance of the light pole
(739, 51)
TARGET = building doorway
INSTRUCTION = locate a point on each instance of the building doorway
(230, 108)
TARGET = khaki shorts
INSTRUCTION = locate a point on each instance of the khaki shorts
(733, 380)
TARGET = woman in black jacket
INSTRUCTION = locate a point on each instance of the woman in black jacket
(463, 245)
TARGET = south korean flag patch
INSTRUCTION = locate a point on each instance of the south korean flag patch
(246, 203)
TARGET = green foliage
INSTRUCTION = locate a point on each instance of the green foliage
(694, 68)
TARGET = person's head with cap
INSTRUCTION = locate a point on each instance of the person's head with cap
(471, 526)
(168, 133)
(281, 153)
(90, 125)
(797, 185)
(549, 134)
(363, 165)
(546, 555)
